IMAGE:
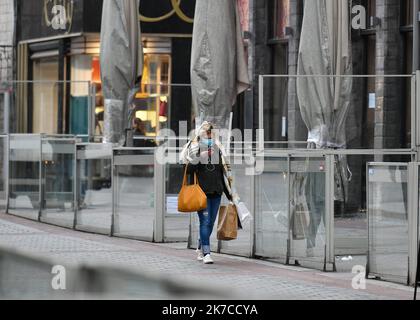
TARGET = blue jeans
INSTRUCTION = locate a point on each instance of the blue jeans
(207, 219)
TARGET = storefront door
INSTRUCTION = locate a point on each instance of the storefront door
(45, 96)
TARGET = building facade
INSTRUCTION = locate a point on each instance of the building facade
(379, 116)
(7, 27)
(380, 111)
(271, 35)
(62, 59)
(7, 54)
(384, 47)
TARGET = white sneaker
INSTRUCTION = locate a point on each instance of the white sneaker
(207, 259)
(200, 255)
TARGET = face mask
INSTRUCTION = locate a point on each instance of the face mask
(207, 142)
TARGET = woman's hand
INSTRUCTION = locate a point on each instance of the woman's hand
(204, 154)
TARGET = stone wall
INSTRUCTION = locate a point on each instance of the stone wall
(388, 115)
(7, 27)
(6, 22)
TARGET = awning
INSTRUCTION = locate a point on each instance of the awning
(325, 49)
(218, 65)
(121, 63)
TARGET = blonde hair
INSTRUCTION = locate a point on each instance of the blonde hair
(206, 127)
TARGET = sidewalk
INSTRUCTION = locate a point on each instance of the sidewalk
(256, 279)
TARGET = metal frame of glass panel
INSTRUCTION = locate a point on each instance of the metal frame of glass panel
(175, 224)
(16, 155)
(309, 170)
(272, 210)
(414, 220)
(88, 157)
(244, 244)
(406, 266)
(5, 170)
(326, 260)
(57, 206)
(134, 158)
(330, 163)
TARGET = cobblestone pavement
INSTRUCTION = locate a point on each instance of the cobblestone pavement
(257, 279)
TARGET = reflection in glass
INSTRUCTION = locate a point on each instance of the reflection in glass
(24, 175)
(388, 222)
(243, 183)
(134, 201)
(272, 220)
(307, 209)
(176, 223)
(58, 156)
(94, 195)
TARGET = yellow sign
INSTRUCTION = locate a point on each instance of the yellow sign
(176, 9)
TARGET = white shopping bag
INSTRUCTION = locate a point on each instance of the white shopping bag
(243, 213)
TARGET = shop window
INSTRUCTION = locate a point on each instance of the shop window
(152, 101)
(79, 93)
(99, 99)
(45, 96)
(85, 69)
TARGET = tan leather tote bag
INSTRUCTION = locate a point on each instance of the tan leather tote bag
(191, 198)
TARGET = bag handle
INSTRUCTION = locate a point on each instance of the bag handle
(184, 181)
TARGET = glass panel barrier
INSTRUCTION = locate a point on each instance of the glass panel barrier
(94, 188)
(176, 224)
(272, 212)
(24, 175)
(243, 181)
(57, 178)
(134, 193)
(388, 221)
(350, 214)
(307, 210)
(4, 172)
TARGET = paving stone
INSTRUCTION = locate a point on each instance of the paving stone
(258, 279)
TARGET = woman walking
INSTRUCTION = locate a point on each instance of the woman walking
(206, 157)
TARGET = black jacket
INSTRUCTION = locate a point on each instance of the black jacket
(210, 177)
